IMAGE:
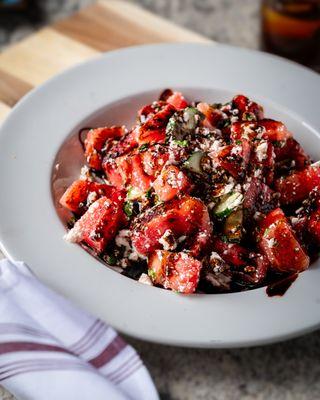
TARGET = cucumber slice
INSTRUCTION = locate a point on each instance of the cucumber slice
(222, 189)
(183, 123)
(233, 226)
(191, 117)
(228, 204)
(193, 163)
(133, 193)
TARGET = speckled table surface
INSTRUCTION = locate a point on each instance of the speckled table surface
(228, 21)
(284, 371)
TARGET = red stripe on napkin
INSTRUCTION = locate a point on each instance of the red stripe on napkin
(84, 337)
(129, 371)
(114, 374)
(12, 347)
(92, 340)
(112, 349)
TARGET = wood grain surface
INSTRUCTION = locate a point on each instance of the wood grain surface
(104, 26)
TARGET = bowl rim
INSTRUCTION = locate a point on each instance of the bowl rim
(56, 262)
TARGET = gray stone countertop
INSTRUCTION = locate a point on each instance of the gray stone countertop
(284, 371)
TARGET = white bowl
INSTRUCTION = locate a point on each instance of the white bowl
(108, 90)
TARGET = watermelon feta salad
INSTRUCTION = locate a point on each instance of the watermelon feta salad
(197, 197)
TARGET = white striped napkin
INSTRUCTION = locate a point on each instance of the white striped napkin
(49, 349)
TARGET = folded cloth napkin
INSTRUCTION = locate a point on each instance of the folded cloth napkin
(50, 349)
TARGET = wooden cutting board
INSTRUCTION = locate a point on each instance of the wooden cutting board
(104, 26)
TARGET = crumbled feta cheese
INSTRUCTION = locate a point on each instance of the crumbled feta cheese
(184, 256)
(122, 239)
(236, 150)
(168, 241)
(215, 256)
(145, 279)
(84, 173)
(271, 242)
(174, 180)
(261, 151)
(186, 116)
(257, 173)
(247, 130)
(92, 198)
(134, 256)
(260, 130)
(95, 205)
(124, 262)
(74, 235)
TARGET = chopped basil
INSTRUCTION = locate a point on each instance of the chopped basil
(143, 147)
(247, 116)
(148, 193)
(128, 208)
(278, 143)
(225, 123)
(216, 105)
(266, 232)
(152, 274)
(71, 222)
(224, 238)
(182, 143)
(171, 125)
(111, 259)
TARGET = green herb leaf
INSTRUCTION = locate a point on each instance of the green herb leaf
(71, 222)
(171, 126)
(248, 116)
(112, 260)
(148, 193)
(216, 105)
(224, 238)
(278, 143)
(128, 208)
(143, 147)
(152, 274)
(225, 123)
(266, 232)
(182, 143)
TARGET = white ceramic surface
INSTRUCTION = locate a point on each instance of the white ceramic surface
(30, 229)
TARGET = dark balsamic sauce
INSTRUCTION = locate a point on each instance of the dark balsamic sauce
(81, 137)
(279, 288)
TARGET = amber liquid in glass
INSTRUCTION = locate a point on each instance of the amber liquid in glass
(291, 28)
